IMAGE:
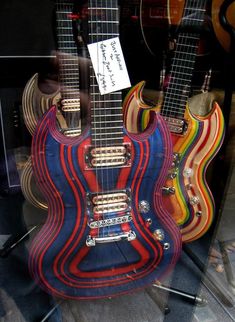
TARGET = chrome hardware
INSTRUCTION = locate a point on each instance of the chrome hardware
(71, 132)
(70, 105)
(110, 221)
(194, 200)
(166, 246)
(168, 190)
(103, 151)
(100, 199)
(159, 234)
(129, 236)
(148, 222)
(107, 161)
(113, 207)
(175, 125)
(188, 172)
(108, 156)
(103, 203)
(172, 175)
(176, 160)
(144, 207)
(198, 213)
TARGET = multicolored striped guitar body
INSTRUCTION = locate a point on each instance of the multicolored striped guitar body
(196, 138)
(186, 194)
(106, 231)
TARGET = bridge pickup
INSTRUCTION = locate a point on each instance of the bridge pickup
(128, 236)
(176, 125)
(110, 221)
(113, 201)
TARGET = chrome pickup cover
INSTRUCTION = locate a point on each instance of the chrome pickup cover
(70, 105)
(110, 156)
(104, 203)
(175, 125)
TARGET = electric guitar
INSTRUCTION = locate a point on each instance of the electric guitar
(67, 97)
(196, 138)
(106, 232)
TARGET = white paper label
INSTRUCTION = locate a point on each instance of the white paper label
(109, 65)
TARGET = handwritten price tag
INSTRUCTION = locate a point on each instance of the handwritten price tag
(109, 65)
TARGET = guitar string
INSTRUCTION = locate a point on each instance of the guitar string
(95, 97)
(173, 102)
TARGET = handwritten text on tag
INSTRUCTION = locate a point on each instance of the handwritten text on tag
(109, 65)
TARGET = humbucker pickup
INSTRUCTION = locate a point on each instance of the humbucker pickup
(176, 125)
(109, 202)
(108, 156)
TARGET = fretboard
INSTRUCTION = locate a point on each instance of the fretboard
(183, 62)
(106, 110)
(68, 67)
(67, 50)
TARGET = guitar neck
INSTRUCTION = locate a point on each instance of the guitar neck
(106, 110)
(68, 66)
(183, 62)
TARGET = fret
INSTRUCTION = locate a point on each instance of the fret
(71, 90)
(64, 28)
(67, 47)
(64, 20)
(109, 108)
(62, 12)
(65, 59)
(109, 127)
(111, 132)
(108, 101)
(111, 121)
(104, 34)
(106, 115)
(195, 9)
(102, 8)
(107, 138)
(182, 91)
(70, 75)
(104, 22)
(180, 72)
(177, 66)
(69, 83)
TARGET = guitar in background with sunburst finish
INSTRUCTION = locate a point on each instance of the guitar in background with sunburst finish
(67, 97)
(196, 138)
(107, 232)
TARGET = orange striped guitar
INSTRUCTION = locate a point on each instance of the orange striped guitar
(196, 138)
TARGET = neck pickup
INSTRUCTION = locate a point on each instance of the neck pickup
(108, 156)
